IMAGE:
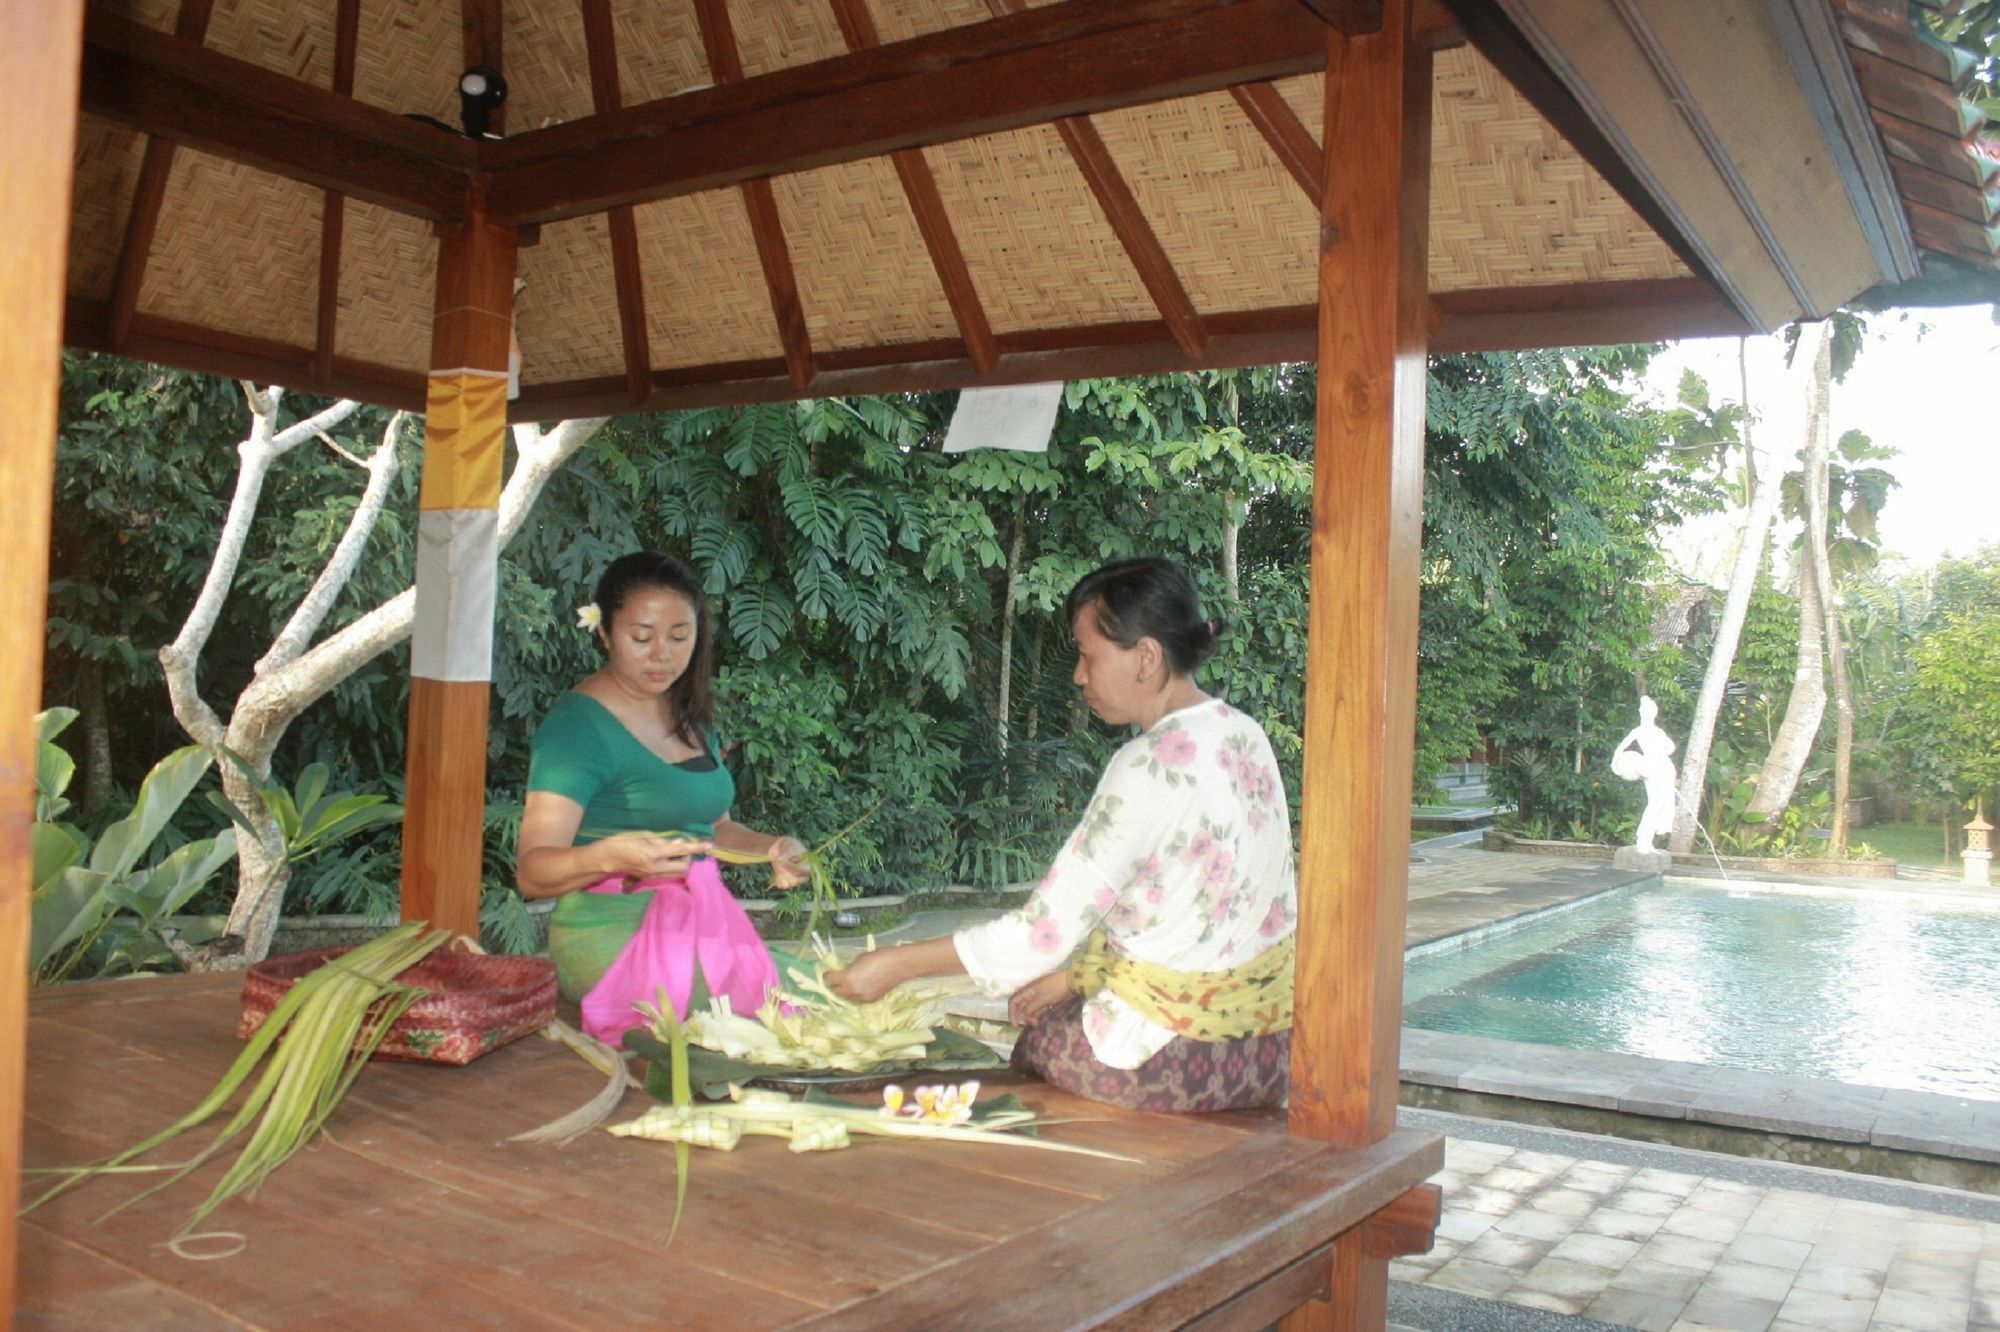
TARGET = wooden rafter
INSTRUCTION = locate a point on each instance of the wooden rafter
(1128, 221)
(1296, 148)
(150, 194)
(601, 44)
(718, 39)
(333, 208)
(920, 188)
(1060, 60)
(480, 22)
(159, 84)
(1352, 17)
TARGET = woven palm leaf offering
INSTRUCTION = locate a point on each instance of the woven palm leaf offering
(805, 1032)
(311, 1047)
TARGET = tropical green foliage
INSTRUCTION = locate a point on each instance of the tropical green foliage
(875, 599)
(80, 884)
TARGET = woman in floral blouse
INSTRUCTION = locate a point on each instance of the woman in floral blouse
(1152, 968)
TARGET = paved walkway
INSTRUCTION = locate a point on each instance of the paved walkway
(1667, 1240)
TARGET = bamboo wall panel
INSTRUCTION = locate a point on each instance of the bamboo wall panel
(1038, 247)
(107, 170)
(385, 258)
(411, 53)
(292, 37)
(1240, 232)
(865, 278)
(547, 68)
(705, 295)
(659, 49)
(776, 34)
(236, 250)
(566, 316)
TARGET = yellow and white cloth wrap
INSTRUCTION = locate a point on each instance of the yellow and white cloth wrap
(458, 525)
(1254, 999)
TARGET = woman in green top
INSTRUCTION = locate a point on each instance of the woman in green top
(625, 757)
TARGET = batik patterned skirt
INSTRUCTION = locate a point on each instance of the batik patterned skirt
(1186, 1077)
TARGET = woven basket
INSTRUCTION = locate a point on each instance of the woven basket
(477, 1002)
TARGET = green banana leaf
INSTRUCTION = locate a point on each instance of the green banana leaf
(712, 1074)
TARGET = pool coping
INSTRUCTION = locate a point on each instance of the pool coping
(1863, 1125)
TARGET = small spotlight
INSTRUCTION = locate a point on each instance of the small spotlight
(480, 91)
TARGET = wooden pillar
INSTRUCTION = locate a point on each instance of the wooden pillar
(451, 647)
(41, 50)
(1362, 657)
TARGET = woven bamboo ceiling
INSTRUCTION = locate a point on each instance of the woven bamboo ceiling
(1155, 232)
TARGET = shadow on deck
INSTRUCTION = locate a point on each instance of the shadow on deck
(418, 1212)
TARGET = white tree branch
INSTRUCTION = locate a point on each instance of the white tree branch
(274, 699)
(313, 607)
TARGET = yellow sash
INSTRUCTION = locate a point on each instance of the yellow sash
(1253, 999)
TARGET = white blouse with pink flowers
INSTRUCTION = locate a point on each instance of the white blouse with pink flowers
(1183, 859)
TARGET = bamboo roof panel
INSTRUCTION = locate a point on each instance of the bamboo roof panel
(1039, 249)
(236, 250)
(107, 173)
(1512, 204)
(409, 56)
(659, 49)
(159, 14)
(566, 316)
(385, 256)
(864, 274)
(295, 40)
(548, 69)
(1241, 233)
(900, 20)
(705, 297)
(777, 34)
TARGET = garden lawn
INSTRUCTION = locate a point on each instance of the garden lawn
(1909, 843)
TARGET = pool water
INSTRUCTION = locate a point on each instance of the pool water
(1882, 988)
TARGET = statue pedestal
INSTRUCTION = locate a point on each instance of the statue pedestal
(1640, 859)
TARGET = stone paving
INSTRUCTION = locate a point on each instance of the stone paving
(1668, 1240)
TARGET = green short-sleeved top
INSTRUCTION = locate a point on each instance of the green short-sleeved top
(583, 752)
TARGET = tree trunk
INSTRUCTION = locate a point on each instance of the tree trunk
(1819, 485)
(262, 877)
(1035, 708)
(1743, 577)
(1007, 622)
(1806, 708)
(96, 739)
(1231, 531)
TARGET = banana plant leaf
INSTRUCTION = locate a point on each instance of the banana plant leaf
(712, 1074)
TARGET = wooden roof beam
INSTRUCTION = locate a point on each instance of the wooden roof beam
(857, 27)
(163, 85)
(333, 208)
(1296, 148)
(767, 228)
(1024, 69)
(601, 47)
(1353, 17)
(150, 194)
(1128, 221)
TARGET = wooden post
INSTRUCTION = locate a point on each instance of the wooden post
(41, 50)
(451, 648)
(1362, 656)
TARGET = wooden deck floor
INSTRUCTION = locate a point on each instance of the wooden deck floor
(418, 1213)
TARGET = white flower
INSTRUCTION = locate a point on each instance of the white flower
(589, 617)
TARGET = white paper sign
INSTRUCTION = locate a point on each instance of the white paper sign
(1021, 417)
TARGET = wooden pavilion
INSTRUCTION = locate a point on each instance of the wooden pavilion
(721, 201)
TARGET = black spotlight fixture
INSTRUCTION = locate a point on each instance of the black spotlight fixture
(480, 91)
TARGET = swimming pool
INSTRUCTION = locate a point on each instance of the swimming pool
(1886, 988)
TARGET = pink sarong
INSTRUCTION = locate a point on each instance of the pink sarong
(691, 922)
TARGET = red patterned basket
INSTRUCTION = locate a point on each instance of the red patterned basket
(477, 1002)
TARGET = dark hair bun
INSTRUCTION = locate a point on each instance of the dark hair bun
(1149, 598)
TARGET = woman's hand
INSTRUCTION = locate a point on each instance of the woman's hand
(868, 977)
(788, 863)
(1037, 997)
(636, 857)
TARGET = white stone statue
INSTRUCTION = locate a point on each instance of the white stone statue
(1646, 754)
